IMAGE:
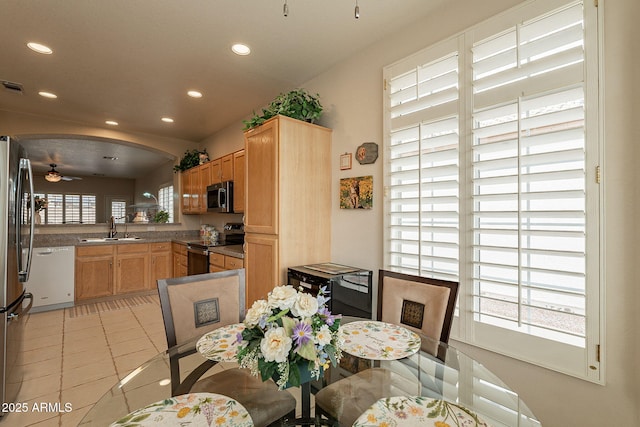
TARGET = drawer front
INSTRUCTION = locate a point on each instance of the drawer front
(94, 250)
(233, 263)
(216, 259)
(160, 246)
(132, 248)
(180, 248)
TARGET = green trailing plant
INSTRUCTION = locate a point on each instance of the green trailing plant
(161, 217)
(297, 104)
(190, 159)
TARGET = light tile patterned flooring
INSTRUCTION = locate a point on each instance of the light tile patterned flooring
(76, 360)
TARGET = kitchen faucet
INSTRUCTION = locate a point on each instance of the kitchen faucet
(112, 227)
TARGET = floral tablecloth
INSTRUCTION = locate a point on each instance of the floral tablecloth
(369, 339)
(221, 344)
(405, 411)
(194, 410)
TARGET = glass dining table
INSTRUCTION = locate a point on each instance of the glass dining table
(430, 373)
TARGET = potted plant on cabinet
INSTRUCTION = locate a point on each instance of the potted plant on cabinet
(297, 104)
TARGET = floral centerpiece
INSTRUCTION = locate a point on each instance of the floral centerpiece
(290, 334)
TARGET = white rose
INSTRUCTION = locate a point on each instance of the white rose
(275, 345)
(257, 310)
(306, 305)
(282, 297)
(323, 336)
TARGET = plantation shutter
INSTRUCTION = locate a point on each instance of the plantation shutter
(492, 153)
(423, 179)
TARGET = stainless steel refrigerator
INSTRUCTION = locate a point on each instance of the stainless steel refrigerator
(16, 247)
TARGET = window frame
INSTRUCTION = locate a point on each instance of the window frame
(465, 329)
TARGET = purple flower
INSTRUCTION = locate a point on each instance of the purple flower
(329, 318)
(239, 337)
(302, 334)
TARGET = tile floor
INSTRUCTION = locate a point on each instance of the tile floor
(76, 360)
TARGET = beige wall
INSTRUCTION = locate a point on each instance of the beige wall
(352, 95)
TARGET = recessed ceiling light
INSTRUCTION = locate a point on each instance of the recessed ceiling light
(40, 48)
(241, 49)
(167, 119)
(111, 123)
(48, 94)
(194, 94)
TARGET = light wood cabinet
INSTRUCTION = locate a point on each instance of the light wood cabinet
(194, 190)
(132, 268)
(179, 259)
(222, 169)
(107, 270)
(93, 272)
(238, 181)
(196, 180)
(287, 202)
(161, 262)
(221, 262)
(185, 192)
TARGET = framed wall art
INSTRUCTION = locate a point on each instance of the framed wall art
(356, 193)
(345, 161)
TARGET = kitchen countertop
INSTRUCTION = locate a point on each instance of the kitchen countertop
(53, 240)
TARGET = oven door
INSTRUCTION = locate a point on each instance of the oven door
(197, 260)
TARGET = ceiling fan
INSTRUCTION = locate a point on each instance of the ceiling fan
(54, 176)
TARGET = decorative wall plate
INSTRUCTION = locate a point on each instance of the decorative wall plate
(367, 153)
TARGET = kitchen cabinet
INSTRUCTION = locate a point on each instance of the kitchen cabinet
(238, 181)
(107, 270)
(161, 262)
(179, 252)
(196, 180)
(220, 262)
(222, 169)
(93, 272)
(132, 268)
(194, 190)
(287, 201)
(185, 192)
(205, 174)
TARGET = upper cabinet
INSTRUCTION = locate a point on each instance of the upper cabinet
(238, 181)
(196, 180)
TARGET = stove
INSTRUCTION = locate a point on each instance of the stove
(198, 250)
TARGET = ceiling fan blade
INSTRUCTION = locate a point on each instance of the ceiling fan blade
(70, 178)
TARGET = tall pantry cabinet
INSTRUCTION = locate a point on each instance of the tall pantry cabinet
(287, 202)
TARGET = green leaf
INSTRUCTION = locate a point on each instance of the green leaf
(288, 324)
(308, 351)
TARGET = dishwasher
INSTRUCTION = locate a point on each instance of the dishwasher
(51, 280)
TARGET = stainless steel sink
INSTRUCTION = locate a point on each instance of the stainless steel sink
(108, 239)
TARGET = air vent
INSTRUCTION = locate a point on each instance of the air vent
(13, 87)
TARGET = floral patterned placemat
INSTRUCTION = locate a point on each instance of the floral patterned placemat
(221, 344)
(370, 339)
(405, 411)
(195, 410)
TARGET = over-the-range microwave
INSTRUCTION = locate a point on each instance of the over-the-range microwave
(220, 197)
